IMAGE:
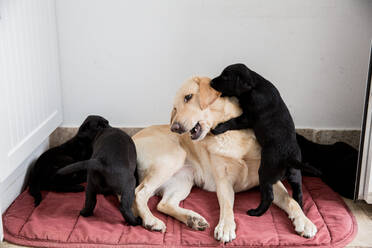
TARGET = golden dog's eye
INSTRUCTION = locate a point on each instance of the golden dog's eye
(187, 98)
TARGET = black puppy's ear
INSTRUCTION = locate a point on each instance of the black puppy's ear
(103, 124)
(245, 84)
(83, 127)
(247, 87)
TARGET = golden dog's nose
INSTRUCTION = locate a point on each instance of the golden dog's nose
(177, 128)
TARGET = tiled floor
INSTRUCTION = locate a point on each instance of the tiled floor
(362, 212)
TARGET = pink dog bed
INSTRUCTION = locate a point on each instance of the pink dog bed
(56, 222)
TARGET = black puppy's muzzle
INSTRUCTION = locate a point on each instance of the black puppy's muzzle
(212, 83)
(177, 128)
(215, 84)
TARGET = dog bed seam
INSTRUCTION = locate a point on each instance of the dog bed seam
(73, 228)
(28, 218)
(121, 235)
(276, 229)
(321, 214)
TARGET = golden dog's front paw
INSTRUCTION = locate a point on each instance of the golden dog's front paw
(197, 222)
(154, 224)
(225, 231)
(304, 227)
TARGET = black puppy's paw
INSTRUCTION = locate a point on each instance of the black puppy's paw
(254, 212)
(220, 128)
(77, 188)
(37, 202)
(138, 221)
(134, 222)
(86, 213)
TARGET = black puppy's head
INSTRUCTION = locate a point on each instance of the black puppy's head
(91, 126)
(233, 81)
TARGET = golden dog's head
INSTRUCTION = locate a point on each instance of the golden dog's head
(191, 108)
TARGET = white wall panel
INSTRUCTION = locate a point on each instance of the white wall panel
(29, 77)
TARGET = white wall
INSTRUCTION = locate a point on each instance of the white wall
(30, 100)
(125, 59)
(12, 186)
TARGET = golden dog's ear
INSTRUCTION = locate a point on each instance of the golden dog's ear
(173, 114)
(196, 79)
(207, 95)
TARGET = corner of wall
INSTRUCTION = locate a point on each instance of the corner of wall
(12, 186)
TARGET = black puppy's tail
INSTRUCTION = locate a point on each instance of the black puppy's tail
(304, 167)
(83, 165)
(34, 187)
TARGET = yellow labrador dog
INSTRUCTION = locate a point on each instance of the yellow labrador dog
(171, 162)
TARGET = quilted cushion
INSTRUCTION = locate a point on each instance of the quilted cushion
(56, 222)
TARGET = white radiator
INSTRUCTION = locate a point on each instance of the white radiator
(30, 95)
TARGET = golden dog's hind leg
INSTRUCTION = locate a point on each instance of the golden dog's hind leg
(176, 190)
(302, 224)
(145, 190)
(155, 178)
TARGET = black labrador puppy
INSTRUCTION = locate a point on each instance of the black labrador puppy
(265, 111)
(43, 173)
(111, 170)
(337, 162)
